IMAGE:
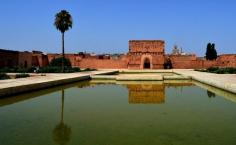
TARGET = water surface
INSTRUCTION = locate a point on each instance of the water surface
(119, 114)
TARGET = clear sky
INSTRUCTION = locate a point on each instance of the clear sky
(106, 26)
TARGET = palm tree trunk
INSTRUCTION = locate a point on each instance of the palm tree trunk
(63, 54)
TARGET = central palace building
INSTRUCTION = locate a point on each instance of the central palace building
(146, 54)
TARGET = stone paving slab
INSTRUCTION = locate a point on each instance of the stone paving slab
(223, 81)
(129, 77)
(176, 77)
(146, 71)
(139, 77)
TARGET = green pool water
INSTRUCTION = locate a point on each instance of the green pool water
(90, 113)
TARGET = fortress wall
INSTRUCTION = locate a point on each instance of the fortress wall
(191, 62)
(102, 63)
(208, 63)
(40, 60)
(8, 58)
(226, 60)
(182, 62)
(25, 59)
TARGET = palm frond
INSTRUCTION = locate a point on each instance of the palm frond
(63, 21)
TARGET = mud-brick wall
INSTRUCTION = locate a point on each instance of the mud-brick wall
(25, 59)
(8, 58)
(227, 60)
(183, 62)
(102, 63)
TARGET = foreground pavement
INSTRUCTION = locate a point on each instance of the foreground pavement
(226, 82)
(42, 81)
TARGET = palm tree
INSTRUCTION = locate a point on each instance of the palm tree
(63, 22)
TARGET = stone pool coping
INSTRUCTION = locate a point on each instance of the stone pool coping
(225, 82)
(9, 87)
(42, 81)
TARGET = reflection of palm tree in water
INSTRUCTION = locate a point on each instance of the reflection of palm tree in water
(62, 132)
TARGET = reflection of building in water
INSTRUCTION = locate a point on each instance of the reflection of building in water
(146, 93)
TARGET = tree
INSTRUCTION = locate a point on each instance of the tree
(214, 53)
(211, 53)
(210, 94)
(57, 62)
(208, 51)
(63, 22)
(168, 64)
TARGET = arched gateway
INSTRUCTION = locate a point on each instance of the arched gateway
(146, 64)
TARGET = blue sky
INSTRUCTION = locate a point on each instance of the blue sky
(106, 26)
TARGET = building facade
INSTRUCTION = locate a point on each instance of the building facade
(146, 54)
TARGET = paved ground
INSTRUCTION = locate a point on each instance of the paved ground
(223, 81)
(14, 86)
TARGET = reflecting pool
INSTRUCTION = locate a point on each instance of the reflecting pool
(120, 113)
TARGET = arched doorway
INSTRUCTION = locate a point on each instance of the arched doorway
(146, 64)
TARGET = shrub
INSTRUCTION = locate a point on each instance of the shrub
(57, 62)
(7, 70)
(49, 69)
(21, 70)
(23, 75)
(212, 69)
(76, 69)
(17, 70)
(168, 64)
(89, 69)
(56, 69)
(4, 76)
(218, 70)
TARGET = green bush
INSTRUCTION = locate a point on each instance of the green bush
(218, 70)
(23, 75)
(89, 69)
(4, 76)
(228, 70)
(17, 70)
(21, 70)
(7, 70)
(212, 69)
(55, 69)
(49, 69)
(76, 69)
(57, 62)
